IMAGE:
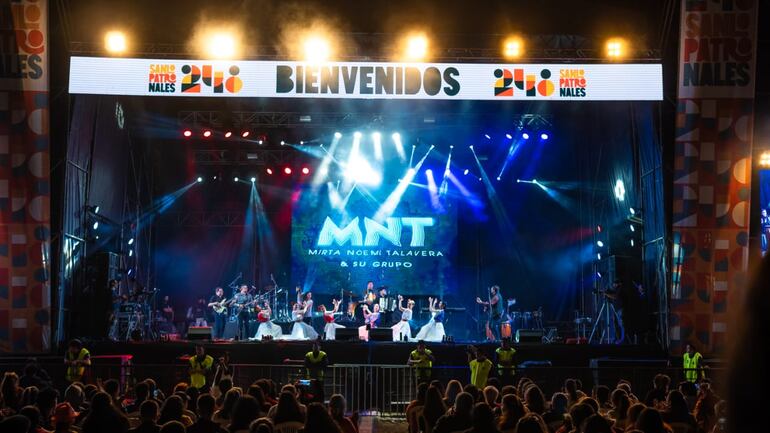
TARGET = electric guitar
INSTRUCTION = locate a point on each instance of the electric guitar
(241, 307)
(220, 307)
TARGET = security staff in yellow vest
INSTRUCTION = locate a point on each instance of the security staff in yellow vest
(315, 362)
(200, 367)
(691, 362)
(422, 360)
(480, 367)
(76, 359)
(505, 368)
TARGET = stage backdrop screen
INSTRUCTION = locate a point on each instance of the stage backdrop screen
(340, 241)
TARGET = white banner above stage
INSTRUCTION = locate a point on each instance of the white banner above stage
(366, 80)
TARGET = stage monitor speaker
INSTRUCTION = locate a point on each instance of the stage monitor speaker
(199, 333)
(380, 334)
(529, 336)
(346, 334)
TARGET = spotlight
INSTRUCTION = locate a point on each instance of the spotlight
(631, 226)
(487, 136)
(513, 47)
(317, 49)
(305, 170)
(416, 47)
(228, 134)
(235, 179)
(508, 136)
(302, 142)
(498, 178)
(620, 190)
(269, 170)
(130, 253)
(187, 133)
(465, 173)
(600, 244)
(599, 229)
(470, 147)
(207, 133)
(96, 225)
(245, 134)
(253, 179)
(544, 136)
(396, 136)
(376, 136)
(632, 242)
(525, 136)
(632, 210)
(615, 48)
(221, 45)
(283, 143)
(599, 275)
(598, 256)
(337, 135)
(518, 180)
(287, 170)
(115, 42)
(96, 209)
(200, 179)
(356, 134)
(131, 241)
(259, 142)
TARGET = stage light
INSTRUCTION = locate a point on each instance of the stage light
(260, 142)
(599, 229)
(518, 180)
(487, 136)
(598, 256)
(498, 178)
(764, 159)
(357, 135)
(632, 242)
(207, 133)
(316, 49)
(228, 134)
(416, 47)
(544, 136)
(632, 210)
(525, 136)
(96, 225)
(245, 134)
(235, 179)
(620, 190)
(465, 172)
(359, 170)
(631, 226)
(470, 147)
(615, 48)
(187, 133)
(115, 42)
(269, 171)
(287, 170)
(377, 139)
(253, 179)
(131, 241)
(396, 136)
(337, 135)
(130, 253)
(508, 136)
(599, 275)
(513, 47)
(199, 179)
(305, 170)
(221, 45)
(600, 244)
(96, 209)
(535, 181)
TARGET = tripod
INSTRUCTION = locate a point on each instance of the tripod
(609, 322)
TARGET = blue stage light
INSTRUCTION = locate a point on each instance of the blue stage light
(508, 136)
(598, 256)
(96, 225)
(525, 136)
(465, 172)
(131, 241)
(631, 226)
(199, 179)
(632, 210)
(487, 136)
(337, 135)
(599, 244)
(544, 136)
(356, 134)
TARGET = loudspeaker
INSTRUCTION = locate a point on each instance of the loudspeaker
(346, 334)
(529, 336)
(199, 333)
(380, 334)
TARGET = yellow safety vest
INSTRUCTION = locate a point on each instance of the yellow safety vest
(690, 363)
(198, 370)
(480, 372)
(315, 373)
(505, 355)
(75, 373)
(423, 364)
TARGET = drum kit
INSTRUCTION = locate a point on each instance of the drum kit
(521, 320)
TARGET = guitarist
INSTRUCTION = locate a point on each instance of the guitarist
(217, 303)
(242, 301)
(494, 306)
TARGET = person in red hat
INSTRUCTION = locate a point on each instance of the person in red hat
(64, 417)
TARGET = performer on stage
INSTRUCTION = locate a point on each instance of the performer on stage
(307, 304)
(387, 306)
(242, 301)
(167, 309)
(266, 326)
(370, 321)
(369, 295)
(217, 304)
(196, 314)
(301, 330)
(402, 331)
(494, 306)
(434, 329)
(330, 328)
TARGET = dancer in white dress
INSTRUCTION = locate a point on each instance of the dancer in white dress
(434, 330)
(266, 326)
(330, 328)
(370, 321)
(301, 330)
(402, 331)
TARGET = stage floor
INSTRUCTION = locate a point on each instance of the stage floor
(374, 352)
